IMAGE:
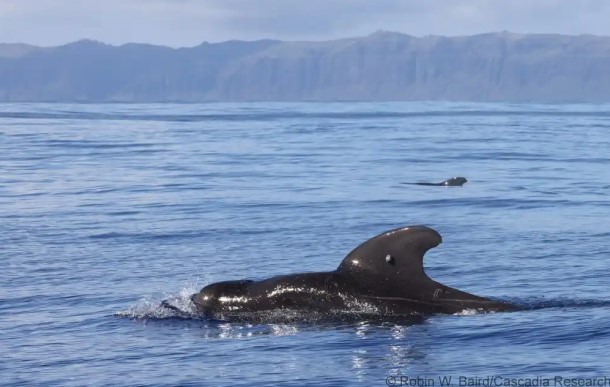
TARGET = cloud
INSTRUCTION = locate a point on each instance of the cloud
(189, 22)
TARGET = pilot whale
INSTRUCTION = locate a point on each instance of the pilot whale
(453, 182)
(384, 276)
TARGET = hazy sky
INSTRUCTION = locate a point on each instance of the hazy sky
(190, 22)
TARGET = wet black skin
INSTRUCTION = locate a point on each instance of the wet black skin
(453, 182)
(384, 275)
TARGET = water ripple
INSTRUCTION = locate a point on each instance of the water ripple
(106, 210)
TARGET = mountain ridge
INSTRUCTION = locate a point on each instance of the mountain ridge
(383, 66)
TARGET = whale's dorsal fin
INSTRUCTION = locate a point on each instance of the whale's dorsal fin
(394, 257)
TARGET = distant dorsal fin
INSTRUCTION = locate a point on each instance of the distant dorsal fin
(395, 256)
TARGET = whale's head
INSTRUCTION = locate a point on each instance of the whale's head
(455, 182)
(221, 295)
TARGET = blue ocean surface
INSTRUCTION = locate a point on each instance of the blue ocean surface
(105, 210)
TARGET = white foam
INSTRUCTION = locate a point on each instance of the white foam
(146, 308)
(150, 307)
(284, 330)
(469, 312)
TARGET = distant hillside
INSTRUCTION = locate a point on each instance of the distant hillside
(382, 66)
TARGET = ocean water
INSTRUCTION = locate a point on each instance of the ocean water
(107, 209)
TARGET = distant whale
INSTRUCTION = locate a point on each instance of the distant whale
(384, 276)
(453, 182)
